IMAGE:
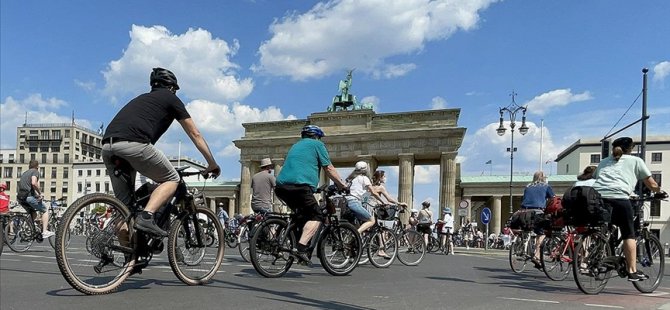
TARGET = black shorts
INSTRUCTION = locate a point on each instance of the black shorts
(300, 199)
(423, 228)
(622, 216)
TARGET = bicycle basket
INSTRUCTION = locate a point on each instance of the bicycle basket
(386, 213)
(333, 203)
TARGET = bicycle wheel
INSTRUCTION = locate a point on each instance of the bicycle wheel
(231, 239)
(383, 240)
(517, 255)
(192, 260)
(93, 272)
(2, 233)
(19, 233)
(433, 244)
(651, 261)
(590, 276)
(339, 249)
(556, 258)
(243, 242)
(270, 248)
(411, 248)
(53, 226)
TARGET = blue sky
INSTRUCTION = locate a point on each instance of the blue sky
(575, 64)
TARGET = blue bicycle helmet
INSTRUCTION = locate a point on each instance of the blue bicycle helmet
(312, 131)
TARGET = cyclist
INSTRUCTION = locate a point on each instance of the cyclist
(298, 180)
(360, 188)
(535, 197)
(616, 177)
(131, 135)
(413, 220)
(425, 220)
(586, 178)
(447, 230)
(29, 195)
(4, 200)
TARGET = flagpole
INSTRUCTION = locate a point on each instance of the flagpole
(179, 155)
(541, 141)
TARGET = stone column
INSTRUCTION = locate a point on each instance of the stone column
(276, 203)
(448, 181)
(231, 206)
(212, 204)
(406, 182)
(496, 221)
(245, 187)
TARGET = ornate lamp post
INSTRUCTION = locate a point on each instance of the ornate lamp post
(512, 110)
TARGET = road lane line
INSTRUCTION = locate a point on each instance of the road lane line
(38, 262)
(656, 294)
(603, 306)
(11, 259)
(532, 300)
(299, 281)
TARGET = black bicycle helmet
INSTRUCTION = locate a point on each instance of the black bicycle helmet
(163, 78)
(623, 142)
(312, 131)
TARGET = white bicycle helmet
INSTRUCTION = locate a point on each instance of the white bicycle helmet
(361, 165)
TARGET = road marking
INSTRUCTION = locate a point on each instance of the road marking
(38, 262)
(299, 281)
(603, 306)
(533, 300)
(11, 259)
(656, 294)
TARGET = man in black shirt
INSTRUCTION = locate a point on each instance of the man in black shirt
(131, 135)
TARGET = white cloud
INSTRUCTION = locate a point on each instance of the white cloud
(426, 174)
(88, 86)
(336, 35)
(438, 103)
(661, 71)
(541, 104)
(39, 110)
(201, 63)
(373, 100)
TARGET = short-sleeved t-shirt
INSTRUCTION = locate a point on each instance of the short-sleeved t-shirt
(302, 164)
(617, 179)
(359, 186)
(535, 196)
(146, 118)
(262, 184)
(26, 184)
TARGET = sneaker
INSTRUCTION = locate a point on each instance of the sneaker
(148, 225)
(637, 276)
(47, 234)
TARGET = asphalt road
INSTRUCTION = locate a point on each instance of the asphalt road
(469, 280)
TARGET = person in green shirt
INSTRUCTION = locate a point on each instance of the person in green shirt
(616, 177)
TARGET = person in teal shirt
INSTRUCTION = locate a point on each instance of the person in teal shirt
(616, 177)
(298, 179)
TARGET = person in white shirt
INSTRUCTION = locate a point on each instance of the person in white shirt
(360, 187)
(447, 231)
(586, 178)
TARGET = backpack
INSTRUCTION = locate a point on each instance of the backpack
(554, 213)
(583, 206)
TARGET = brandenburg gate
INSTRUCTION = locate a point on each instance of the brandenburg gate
(385, 139)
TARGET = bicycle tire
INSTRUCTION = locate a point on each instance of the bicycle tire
(555, 263)
(411, 248)
(192, 260)
(2, 233)
(231, 239)
(243, 242)
(71, 259)
(53, 226)
(651, 261)
(389, 243)
(517, 255)
(20, 233)
(270, 246)
(339, 249)
(433, 244)
(586, 269)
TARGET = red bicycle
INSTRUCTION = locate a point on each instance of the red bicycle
(556, 254)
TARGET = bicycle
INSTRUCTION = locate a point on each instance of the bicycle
(246, 229)
(557, 253)
(380, 238)
(117, 250)
(22, 230)
(600, 254)
(522, 249)
(411, 247)
(338, 243)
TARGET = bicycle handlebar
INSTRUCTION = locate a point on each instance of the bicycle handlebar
(662, 195)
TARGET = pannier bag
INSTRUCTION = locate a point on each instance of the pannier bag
(583, 206)
(525, 219)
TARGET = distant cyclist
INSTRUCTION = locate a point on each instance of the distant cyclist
(299, 179)
(29, 195)
(535, 197)
(616, 177)
(131, 135)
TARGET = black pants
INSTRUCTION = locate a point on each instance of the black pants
(300, 199)
(622, 216)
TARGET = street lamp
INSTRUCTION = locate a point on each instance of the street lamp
(512, 110)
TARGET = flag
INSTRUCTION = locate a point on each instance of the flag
(488, 162)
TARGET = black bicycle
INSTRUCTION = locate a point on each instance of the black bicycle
(21, 230)
(195, 238)
(600, 253)
(338, 244)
